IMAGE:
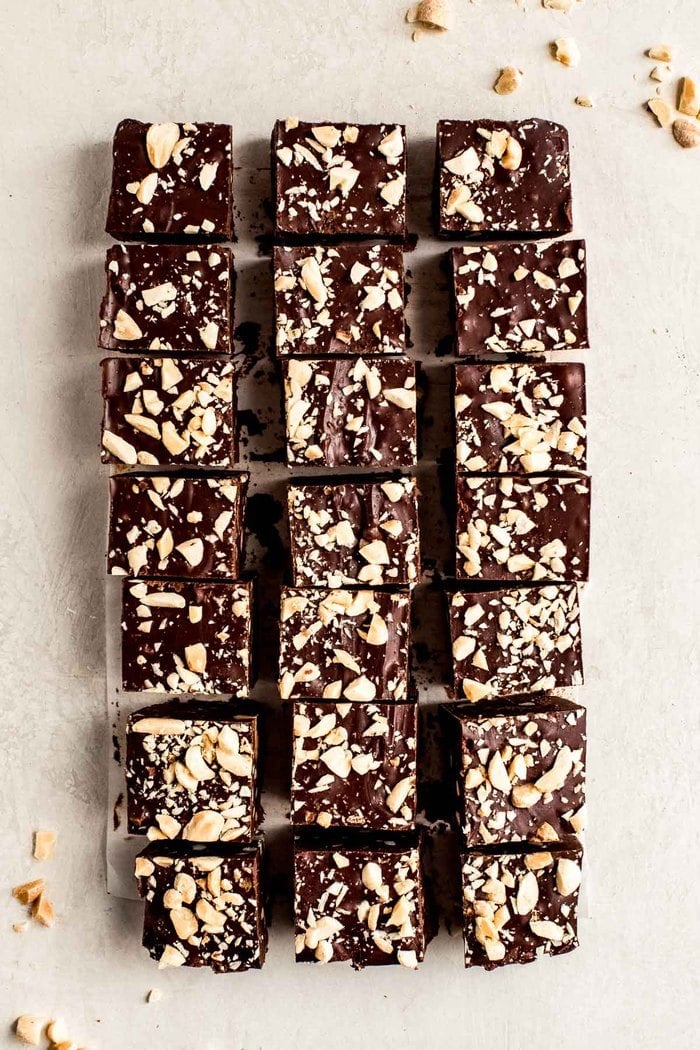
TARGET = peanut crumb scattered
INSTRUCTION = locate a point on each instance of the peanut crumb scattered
(688, 98)
(660, 73)
(686, 134)
(429, 14)
(585, 101)
(44, 844)
(566, 51)
(508, 81)
(154, 996)
(660, 53)
(558, 5)
(43, 911)
(20, 927)
(28, 1029)
(661, 110)
(28, 892)
(56, 1031)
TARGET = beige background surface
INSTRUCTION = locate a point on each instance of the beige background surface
(70, 71)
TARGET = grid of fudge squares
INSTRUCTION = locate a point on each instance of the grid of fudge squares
(169, 410)
(517, 640)
(344, 644)
(520, 418)
(346, 532)
(171, 181)
(339, 180)
(177, 525)
(186, 636)
(339, 299)
(354, 765)
(519, 298)
(204, 906)
(167, 298)
(351, 412)
(519, 767)
(523, 527)
(520, 902)
(360, 898)
(506, 178)
(192, 771)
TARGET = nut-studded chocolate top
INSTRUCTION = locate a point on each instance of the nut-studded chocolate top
(520, 904)
(349, 532)
(506, 177)
(520, 418)
(520, 769)
(351, 412)
(190, 637)
(524, 639)
(168, 410)
(362, 903)
(204, 908)
(171, 182)
(339, 644)
(533, 527)
(339, 299)
(167, 298)
(176, 526)
(191, 771)
(519, 298)
(339, 180)
(355, 765)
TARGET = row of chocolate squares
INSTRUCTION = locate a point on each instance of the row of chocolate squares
(351, 645)
(515, 768)
(365, 899)
(174, 181)
(346, 298)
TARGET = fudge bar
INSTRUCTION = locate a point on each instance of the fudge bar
(192, 771)
(532, 527)
(167, 410)
(340, 644)
(171, 182)
(204, 907)
(351, 412)
(167, 298)
(520, 640)
(360, 899)
(177, 526)
(339, 299)
(519, 298)
(509, 178)
(519, 767)
(347, 532)
(339, 181)
(186, 637)
(354, 765)
(520, 418)
(520, 902)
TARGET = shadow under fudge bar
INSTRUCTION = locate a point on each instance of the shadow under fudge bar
(177, 525)
(171, 298)
(519, 298)
(510, 178)
(339, 299)
(353, 412)
(205, 905)
(339, 181)
(171, 182)
(186, 637)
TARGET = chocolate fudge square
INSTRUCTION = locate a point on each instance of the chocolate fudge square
(520, 902)
(519, 767)
(351, 412)
(204, 906)
(177, 525)
(339, 181)
(360, 898)
(350, 532)
(170, 298)
(519, 298)
(520, 418)
(171, 182)
(192, 771)
(510, 178)
(169, 410)
(523, 527)
(186, 637)
(354, 765)
(339, 299)
(341, 644)
(519, 640)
